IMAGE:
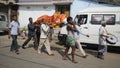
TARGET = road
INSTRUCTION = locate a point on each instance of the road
(28, 58)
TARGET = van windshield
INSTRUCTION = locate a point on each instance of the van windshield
(82, 17)
(2, 18)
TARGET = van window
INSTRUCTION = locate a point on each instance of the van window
(97, 18)
(2, 18)
(83, 17)
(110, 18)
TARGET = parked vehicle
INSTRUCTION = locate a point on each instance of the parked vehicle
(92, 18)
(3, 22)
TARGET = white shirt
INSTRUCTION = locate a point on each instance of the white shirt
(44, 30)
(14, 27)
(77, 34)
(64, 30)
(102, 39)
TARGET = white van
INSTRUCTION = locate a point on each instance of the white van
(93, 16)
(3, 22)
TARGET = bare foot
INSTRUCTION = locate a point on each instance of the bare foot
(17, 52)
(39, 52)
(74, 61)
(64, 58)
(51, 55)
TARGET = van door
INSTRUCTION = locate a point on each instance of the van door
(85, 27)
(94, 25)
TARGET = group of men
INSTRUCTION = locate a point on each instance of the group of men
(39, 31)
(74, 30)
(36, 31)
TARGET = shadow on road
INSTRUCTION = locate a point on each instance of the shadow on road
(27, 61)
(3, 33)
(60, 51)
(111, 49)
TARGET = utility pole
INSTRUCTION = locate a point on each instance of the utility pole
(9, 13)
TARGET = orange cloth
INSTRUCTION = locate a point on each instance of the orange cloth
(55, 19)
(46, 17)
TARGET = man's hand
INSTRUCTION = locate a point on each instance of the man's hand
(9, 33)
(87, 36)
(9, 36)
(108, 33)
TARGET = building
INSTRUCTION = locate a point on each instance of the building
(37, 8)
(8, 7)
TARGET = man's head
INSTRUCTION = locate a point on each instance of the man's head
(80, 22)
(30, 19)
(14, 17)
(70, 20)
(43, 21)
(103, 23)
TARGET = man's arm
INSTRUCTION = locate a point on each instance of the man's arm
(9, 33)
(102, 32)
(80, 32)
(18, 31)
(44, 28)
(9, 30)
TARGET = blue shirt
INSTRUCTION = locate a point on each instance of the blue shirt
(14, 27)
(31, 29)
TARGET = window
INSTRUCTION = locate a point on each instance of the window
(62, 8)
(97, 18)
(2, 18)
(110, 19)
(82, 17)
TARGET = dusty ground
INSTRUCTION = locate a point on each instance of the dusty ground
(29, 58)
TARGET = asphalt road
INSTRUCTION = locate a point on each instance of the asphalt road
(28, 58)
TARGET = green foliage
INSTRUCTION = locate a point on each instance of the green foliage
(24, 28)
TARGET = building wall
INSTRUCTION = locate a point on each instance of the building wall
(27, 11)
(35, 11)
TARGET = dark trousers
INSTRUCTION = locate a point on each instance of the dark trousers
(50, 36)
(37, 39)
(102, 48)
(62, 38)
(14, 45)
(29, 38)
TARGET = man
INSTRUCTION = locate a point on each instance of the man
(51, 32)
(44, 40)
(70, 41)
(102, 47)
(13, 32)
(62, 35)
(37, 34)
(31, 33)
(77, 37)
